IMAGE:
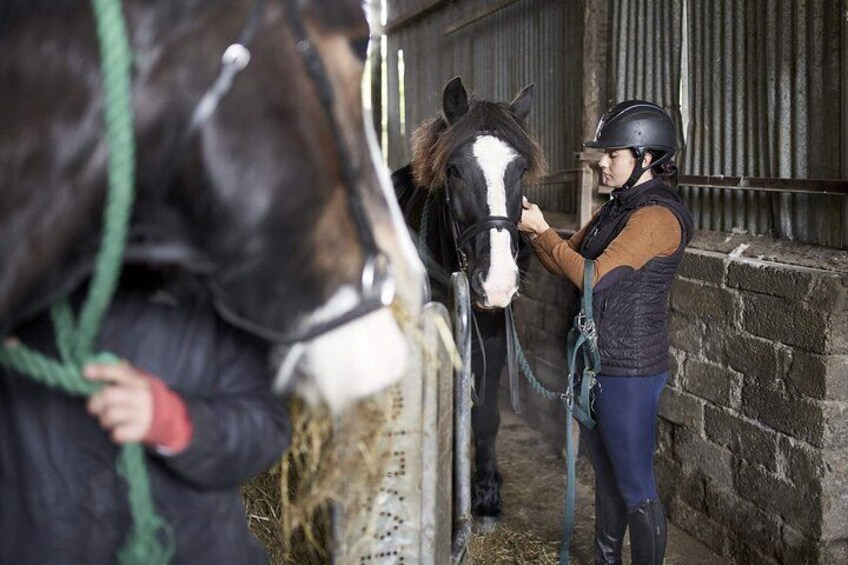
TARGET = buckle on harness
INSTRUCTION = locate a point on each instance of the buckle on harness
(586, 326)
(568, 396)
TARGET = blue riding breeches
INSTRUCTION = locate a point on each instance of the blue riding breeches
(621, 446)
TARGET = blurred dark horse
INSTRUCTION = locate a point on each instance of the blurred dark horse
(275, 197)
(465, 182)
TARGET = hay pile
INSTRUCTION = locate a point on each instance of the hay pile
(506, 546)
(332, 460)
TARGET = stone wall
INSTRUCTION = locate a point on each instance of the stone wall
(752, 452)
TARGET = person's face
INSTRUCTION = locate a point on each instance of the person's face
(616, 166)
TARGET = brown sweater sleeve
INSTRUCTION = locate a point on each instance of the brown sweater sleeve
(652, 231)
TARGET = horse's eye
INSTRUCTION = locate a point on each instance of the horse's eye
(359, 45)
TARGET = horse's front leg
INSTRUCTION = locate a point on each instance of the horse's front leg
(485, 419)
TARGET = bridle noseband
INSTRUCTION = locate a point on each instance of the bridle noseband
(377, 288)
(462, 238)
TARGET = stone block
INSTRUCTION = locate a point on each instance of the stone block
(773, 494)
(836, 425)
(529, 311)
(550, 375)
(803, 464)
(706, 266)
(785, 321)
(684, 334)
(682, 408)
(822, 377)
(709, 459)
(741, 551)
(547, 288)
(556, 322)
(676, 361)
(712, 382)
(800, 418)
(835, 480)
(545, 346)
(703, 301)
(799, 548)
(667, 472)
(748, 439)
(699, 525)
(752, 356)
(771, 278)
(756, 527)
(833, 552)
(835, 516)
(830, 292)
(831, 296)
(665, 437)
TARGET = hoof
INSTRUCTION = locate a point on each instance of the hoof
(486, 524)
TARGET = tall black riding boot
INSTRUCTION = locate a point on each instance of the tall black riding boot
(647, 533)
(610, 526)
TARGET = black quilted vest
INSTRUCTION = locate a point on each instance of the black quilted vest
(631, 306)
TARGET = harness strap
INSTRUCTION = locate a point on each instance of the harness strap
(491, 222)
(512, 362)
(583, 335)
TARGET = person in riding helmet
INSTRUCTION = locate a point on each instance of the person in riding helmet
(637, 240)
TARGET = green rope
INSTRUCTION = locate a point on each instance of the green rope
(529, 375)
(116, 56)
(151, 539)
(581, 337)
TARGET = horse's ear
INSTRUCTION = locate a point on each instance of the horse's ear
(523, 101)
(454, 100)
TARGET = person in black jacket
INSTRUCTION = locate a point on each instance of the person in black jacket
(637, 240)
(193, 389)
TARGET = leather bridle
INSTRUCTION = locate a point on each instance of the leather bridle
(377, 284)
(462, 238)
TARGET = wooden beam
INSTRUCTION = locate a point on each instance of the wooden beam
(410, 16)
(485, 12)
(807, 186)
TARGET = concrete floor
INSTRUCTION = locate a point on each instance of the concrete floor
(534, 495)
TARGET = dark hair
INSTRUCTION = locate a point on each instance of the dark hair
(667, 170)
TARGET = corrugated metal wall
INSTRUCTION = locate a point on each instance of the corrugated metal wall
(527, 41)
(756, 88)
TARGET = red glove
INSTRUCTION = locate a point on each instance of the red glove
(171, 428)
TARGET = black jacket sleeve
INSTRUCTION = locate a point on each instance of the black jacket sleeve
(239, 428)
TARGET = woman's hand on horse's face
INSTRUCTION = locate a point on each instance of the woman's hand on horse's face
(532, 220)
(124, 406)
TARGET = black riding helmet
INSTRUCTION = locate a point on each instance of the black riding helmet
(640, 126)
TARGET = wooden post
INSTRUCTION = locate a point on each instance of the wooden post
(595, 46)
(376, 60)
(845, 118)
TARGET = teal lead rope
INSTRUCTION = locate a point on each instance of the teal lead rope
(150, 541)
(582, 336)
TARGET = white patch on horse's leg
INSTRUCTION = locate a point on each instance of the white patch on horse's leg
(501, 282)
(352, 361)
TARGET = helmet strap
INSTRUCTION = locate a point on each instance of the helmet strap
(639, 170)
